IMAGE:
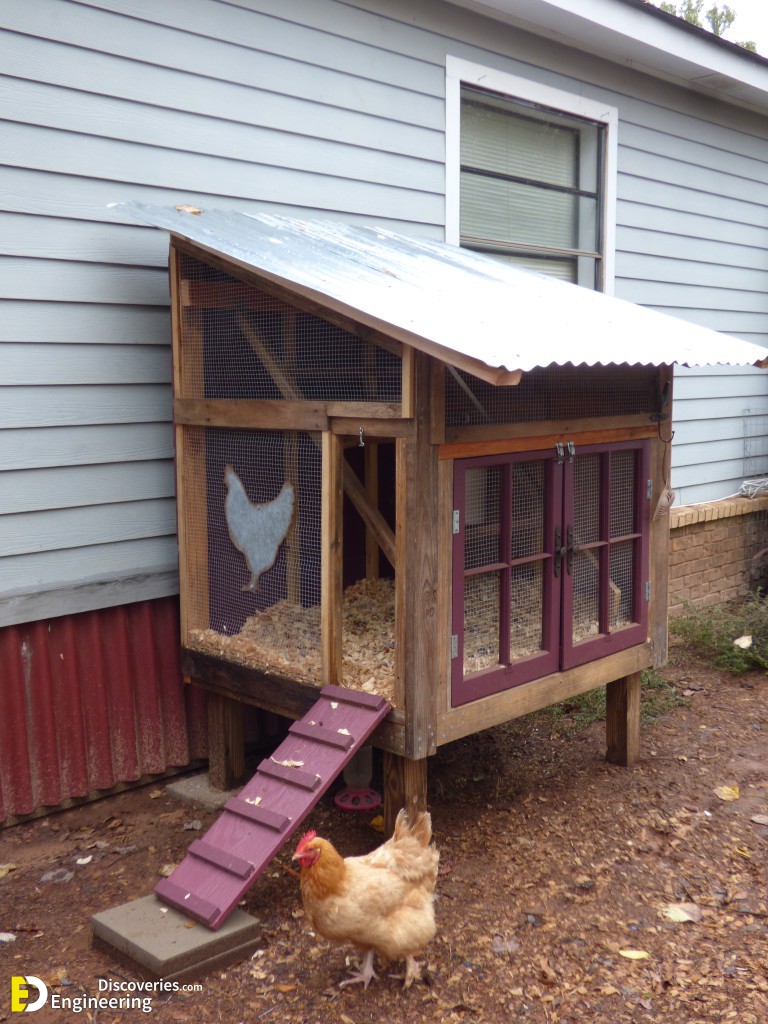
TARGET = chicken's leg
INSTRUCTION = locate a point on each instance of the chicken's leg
(365, 976)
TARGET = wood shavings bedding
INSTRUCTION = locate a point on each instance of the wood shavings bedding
(285, 639)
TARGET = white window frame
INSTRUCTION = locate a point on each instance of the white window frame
(461, 72)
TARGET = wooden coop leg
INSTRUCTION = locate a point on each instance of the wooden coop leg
(405, 785)
(226, 742)
(622, 720)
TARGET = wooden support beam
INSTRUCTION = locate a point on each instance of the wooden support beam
(529, 443)
(659, 531)
(418, 635)
(250, 413)
(331, 560)
(405, 785)
(622, 720)
(371, 468)
(226, 742)
(190, 464)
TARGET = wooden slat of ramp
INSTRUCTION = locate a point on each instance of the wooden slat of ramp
(219, 868)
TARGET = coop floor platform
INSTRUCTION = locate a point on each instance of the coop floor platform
(159, 942)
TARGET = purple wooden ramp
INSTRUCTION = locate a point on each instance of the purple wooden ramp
(220, 867)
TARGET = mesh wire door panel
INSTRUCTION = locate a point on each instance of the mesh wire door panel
(504, 627)
(261, 525)
(605, 606)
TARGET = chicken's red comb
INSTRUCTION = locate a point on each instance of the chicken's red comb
(306, 838)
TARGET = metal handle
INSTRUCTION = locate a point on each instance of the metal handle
(570, 547)
(559, 551)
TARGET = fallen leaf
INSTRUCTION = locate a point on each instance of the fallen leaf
(634, 954)
(58, 875)
(83, 860)
(186, 208)
(501, 945)
(191, 924)
(285, 988)
(192, 826)
(726, 792)
(682, 912)
(759, 819)
(6, 869)
(377, 823)
(288, 763)
(167, 869)
(7, 937)
(744, 642)
(155, 794)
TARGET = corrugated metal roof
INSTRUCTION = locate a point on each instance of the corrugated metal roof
(448, 301)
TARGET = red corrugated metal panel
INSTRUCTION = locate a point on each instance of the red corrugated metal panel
(92, 700)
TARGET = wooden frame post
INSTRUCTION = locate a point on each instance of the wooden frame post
(418, 660)
(226, 742)
(331, 577)
(405, 785)
(622, 720)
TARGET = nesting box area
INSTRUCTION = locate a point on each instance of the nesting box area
(359, 508)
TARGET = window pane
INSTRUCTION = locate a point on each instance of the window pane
(511, 211)
(586, 499)
(481, 622)
(622, 578)
(586, 573)
(526, 596)
(481, 516)
(527, 508)
(622, 493)
(516, 145)
(562, 268)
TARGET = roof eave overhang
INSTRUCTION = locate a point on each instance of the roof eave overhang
(346, 316)
(637, 35)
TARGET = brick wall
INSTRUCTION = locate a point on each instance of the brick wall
(711, 549)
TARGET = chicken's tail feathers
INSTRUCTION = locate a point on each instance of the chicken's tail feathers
(421, 829)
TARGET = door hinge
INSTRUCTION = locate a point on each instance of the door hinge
(647, 590)
(571, 449)
(649, 490)
(454, 646)
(560, 452)
(456, 520)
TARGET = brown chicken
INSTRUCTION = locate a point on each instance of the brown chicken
(382, 902)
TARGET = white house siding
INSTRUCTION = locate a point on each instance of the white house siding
(315, 107)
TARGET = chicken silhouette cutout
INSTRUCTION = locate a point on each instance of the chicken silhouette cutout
(257, 531)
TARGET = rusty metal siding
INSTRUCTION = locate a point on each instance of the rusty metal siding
(92, 700)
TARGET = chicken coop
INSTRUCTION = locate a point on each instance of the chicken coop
(406, 469)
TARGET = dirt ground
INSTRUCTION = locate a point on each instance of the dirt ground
(558, 872)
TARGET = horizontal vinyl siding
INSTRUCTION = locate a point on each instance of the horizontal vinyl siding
(313, 108)
(104, 102)
(721, 431)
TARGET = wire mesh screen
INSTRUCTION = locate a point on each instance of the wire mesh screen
(481, 622)
(240, 342)
(262, 531)
(527, 509)
(622, 578)
(526, 610)
(551, 393)
(482, 518)
(622, 493)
